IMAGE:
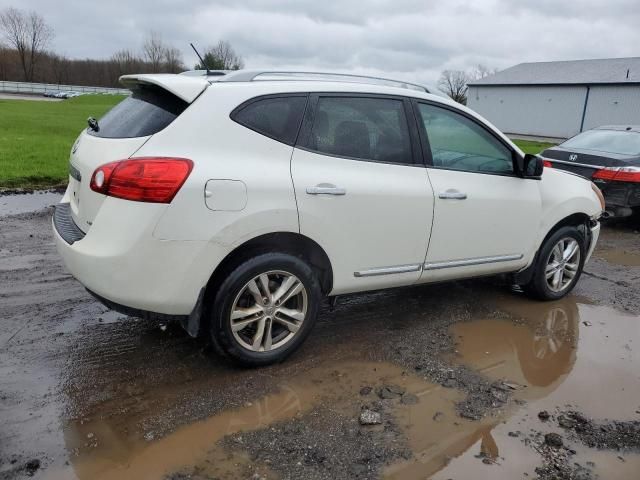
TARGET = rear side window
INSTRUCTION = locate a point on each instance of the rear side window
(362, 127)
(147, 111)
(276, 117)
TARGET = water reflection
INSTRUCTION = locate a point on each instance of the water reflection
(571, 344)
(533, 356)
(537, 351)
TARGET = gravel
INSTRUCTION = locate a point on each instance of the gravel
(369, 417)
(324, 444)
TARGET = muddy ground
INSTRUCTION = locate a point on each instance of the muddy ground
(460, 380)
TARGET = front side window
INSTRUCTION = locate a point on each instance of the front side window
(362, 127)
(459, 143)
(275, 117)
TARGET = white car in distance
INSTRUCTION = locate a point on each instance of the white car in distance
(234, 203)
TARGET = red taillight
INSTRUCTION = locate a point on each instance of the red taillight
(618, 174)
(547, 164)
(144, 179)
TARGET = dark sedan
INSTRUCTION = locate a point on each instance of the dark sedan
(610, 157)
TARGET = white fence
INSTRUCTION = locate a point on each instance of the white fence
(41, 88)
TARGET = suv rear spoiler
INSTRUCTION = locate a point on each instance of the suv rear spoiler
(185, 87)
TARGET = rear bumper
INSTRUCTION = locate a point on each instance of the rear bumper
(120, 261)
(65, 226)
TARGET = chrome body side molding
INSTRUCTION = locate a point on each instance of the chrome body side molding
(471, 261)
(373, 272)
(388, 270)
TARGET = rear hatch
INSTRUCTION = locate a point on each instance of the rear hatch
(155, 102)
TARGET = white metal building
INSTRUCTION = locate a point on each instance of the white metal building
(560, 99)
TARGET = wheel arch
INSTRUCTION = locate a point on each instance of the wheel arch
(285, 242)
(577, 219)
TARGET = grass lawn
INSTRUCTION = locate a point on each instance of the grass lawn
(36, 137)
(529, 146)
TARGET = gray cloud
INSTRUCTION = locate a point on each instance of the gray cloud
(409, 39)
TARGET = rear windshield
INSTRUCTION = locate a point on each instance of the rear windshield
(147, 111)
(609, 141)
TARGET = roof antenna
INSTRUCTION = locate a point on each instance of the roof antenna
(627, 74)
(201, 60)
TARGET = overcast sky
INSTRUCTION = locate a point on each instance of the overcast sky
(409, 39)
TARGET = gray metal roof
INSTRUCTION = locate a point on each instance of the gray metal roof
(572, 72)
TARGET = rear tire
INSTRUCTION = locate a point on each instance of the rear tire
(559, 265)
(265, 309)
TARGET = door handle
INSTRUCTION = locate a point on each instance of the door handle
(326, 190)
(452, 194)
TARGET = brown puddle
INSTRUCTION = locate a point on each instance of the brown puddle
(560, 353)
(117, 457)
(567, 354)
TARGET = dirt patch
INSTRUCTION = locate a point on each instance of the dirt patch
(611, 435)
(556, 450)
(306, 446)
(558, 461)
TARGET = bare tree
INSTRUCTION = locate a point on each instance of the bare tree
(173, 60)
(125, 61)
(27, 33)
(154, 51)
(454, 84)
(221, 57)
(4, 62)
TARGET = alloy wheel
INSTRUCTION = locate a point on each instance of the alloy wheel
(268, 311)
(562, 264)
(552, 334)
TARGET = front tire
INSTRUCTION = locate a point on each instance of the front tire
(265, 309)
(559, 265)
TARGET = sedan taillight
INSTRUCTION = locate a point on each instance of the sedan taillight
(618, 174)
(143, 179)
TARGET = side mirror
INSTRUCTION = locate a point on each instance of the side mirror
(532, 166)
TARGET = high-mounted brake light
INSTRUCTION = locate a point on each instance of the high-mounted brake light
(618, 174)
(143, 179)
(547, 164)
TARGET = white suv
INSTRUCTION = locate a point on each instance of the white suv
(235, 203)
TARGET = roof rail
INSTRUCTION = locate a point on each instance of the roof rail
(254, 75)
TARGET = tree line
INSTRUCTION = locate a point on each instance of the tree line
(26, 55)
